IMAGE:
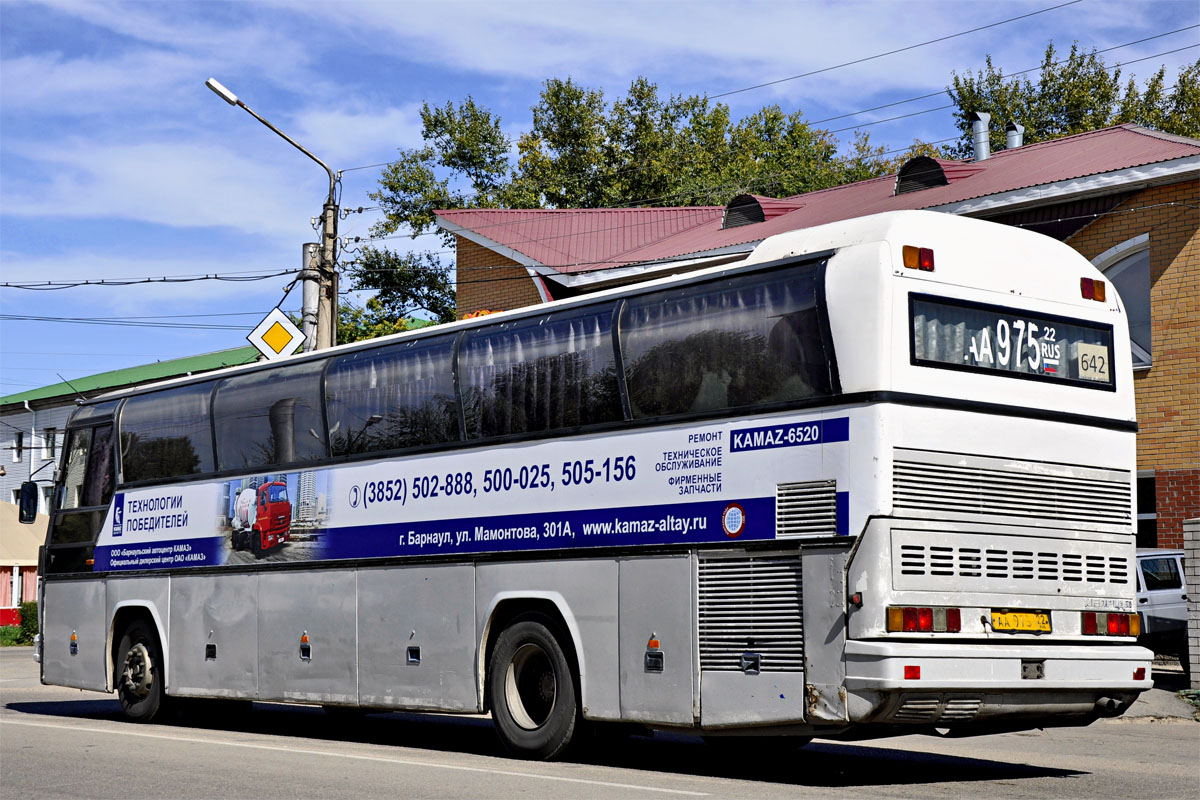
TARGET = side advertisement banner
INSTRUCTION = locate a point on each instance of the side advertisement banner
(685, 485)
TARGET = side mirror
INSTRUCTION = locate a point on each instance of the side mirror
(29, 502)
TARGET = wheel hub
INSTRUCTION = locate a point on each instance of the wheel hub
(137, 676)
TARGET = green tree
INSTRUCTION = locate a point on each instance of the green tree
(1072, 94)
(580, 152)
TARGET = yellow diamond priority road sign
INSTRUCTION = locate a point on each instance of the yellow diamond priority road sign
(276, 336)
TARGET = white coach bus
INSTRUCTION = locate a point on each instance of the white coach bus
(876, 479)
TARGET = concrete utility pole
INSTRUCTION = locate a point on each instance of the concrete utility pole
(326, 300)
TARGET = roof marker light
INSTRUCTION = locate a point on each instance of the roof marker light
(1098, 290)
(1087, 288)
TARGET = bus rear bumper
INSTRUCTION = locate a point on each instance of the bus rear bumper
(918, 682)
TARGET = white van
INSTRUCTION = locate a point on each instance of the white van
(1162, 602)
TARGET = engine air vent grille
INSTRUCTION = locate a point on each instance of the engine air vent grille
(751, 604)
(804, 510)
(950, 486)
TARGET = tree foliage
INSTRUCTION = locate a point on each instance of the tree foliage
(1073, 94)
(581, 151)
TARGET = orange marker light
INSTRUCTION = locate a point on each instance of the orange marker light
(895, 618)
(652, 644)
(74, 638)
(1098, 290)
(304, 639)
(912, 256)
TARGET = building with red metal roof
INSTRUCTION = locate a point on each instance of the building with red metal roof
(1126, 197)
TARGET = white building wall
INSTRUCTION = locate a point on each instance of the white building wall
(32, 458)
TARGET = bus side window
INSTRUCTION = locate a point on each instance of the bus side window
(540, 374)
(273, 416)
(166, 434)
(741, 342)
(392, 397)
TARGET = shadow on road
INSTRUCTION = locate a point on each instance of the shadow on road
(830, 764)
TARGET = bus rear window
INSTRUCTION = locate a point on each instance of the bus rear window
(957, 334)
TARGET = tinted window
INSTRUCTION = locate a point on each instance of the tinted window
(92, 412)
(79, 443)
(1160, 573)
(277, 493)
(1007, 341)
(744, 341)
(166, 434)
(393, 397)
(269, 417)
(541, 374)
(100, 467)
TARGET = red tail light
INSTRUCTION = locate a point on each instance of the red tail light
(1087, 288)
(1089, 623)
(953, 620)
(924, 619)
(910, 620)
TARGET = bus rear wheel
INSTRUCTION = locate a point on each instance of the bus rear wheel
(139, 672)
(532, 688)
(256, 546)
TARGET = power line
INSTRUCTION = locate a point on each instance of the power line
(121, 323)
(55, 285)
(894, 52)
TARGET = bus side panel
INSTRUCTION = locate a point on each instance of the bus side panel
(656, 600)
(214, 635)
(825, 632)
(75, 607)
(585, 593)
(319, 605)
(148, 596)
(417, 638)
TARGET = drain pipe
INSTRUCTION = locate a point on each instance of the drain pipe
(1016, 135)
(979, 127)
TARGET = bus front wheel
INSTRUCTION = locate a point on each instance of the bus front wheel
(139, 672)
(532, 688)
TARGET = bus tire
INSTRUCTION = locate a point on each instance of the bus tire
(532, 686)
(256, 543)
(140, 675)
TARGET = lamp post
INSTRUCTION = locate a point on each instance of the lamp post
(326, 311)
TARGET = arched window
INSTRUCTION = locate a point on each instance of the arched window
(1127, 267)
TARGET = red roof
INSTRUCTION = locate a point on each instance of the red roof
(578, 240)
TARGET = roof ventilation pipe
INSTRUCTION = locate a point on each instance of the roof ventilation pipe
(979, 127)
(1016, 135)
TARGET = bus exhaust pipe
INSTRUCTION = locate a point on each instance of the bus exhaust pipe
(1108, 705)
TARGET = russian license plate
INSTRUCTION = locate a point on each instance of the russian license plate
(1019, 621)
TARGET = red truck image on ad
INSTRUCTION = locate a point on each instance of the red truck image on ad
(262, 518)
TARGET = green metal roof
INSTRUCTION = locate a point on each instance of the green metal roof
(131, 376)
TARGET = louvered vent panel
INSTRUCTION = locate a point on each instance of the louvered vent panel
(805, 509)
(1034, 491)
(966, 562)
(751, 604)
(919, 709)
(960, 708)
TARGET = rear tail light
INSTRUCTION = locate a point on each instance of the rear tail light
(1112, 624)
(917, 257)
(1092, 289)
(909, 619)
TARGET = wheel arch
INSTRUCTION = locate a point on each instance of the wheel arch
(507, 606)
(124, 613)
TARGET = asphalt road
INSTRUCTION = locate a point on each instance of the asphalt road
(57, 742)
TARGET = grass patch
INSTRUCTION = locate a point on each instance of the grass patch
(10, 635)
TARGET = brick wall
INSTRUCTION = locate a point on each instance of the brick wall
(1168, 397)
(488, 280)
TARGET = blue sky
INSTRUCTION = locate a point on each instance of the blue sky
(116, 162)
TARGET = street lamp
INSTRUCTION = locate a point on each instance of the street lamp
(326, 311)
